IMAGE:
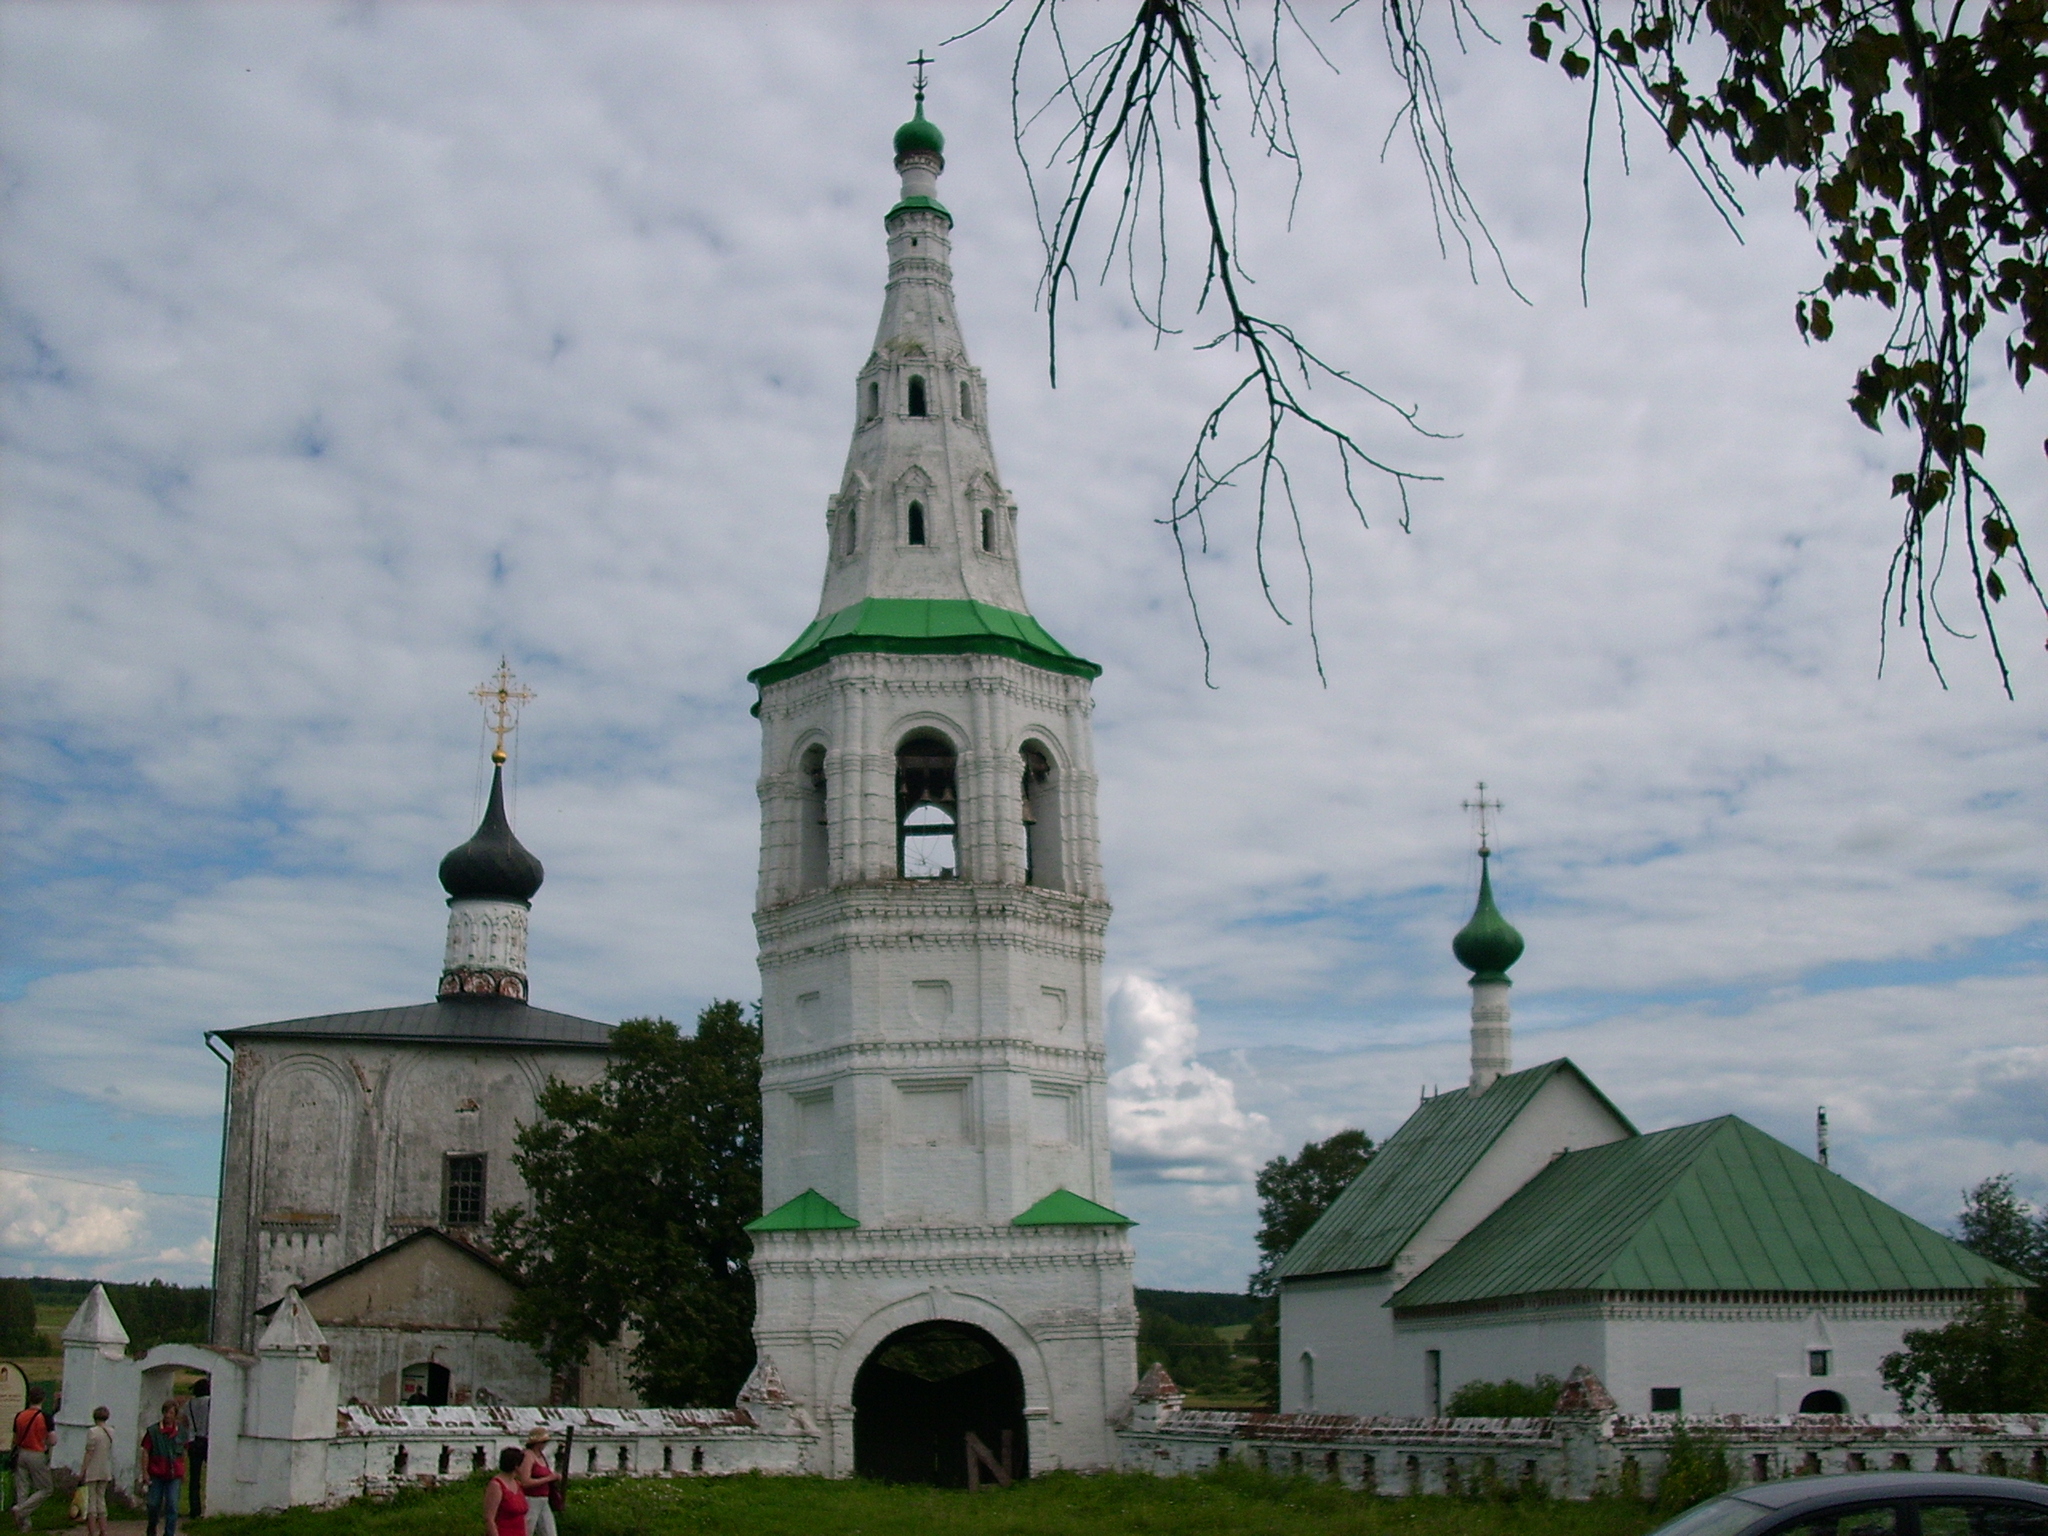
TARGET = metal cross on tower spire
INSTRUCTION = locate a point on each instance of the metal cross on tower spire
(1483, 809)
(501, 695)
(920, 61)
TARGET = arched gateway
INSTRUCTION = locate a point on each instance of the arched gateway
(923, 1391)
(934, 1119)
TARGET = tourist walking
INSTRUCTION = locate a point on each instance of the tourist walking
(31, 1458)
(96, 1471)
(504, 1504)
(196, 1417)
(163, 1462)
(539, 1482)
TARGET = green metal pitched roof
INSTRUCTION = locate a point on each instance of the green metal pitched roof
(808, 1212)
(923, 627)
(1064, 1208)
(1368, 1225)
(1717, 1206)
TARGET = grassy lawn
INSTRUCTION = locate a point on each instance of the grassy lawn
(1230, 1502)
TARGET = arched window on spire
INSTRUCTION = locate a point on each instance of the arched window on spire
(874, 399)
(927, 808)
(813, 832)
(916, 395)
(966, 401)
(988, 529)
(852, 527)
(1044, 860)
(913, 524)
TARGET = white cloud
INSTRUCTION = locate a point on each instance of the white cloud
(1172, 1118)
(42, 1218)
(349, 347)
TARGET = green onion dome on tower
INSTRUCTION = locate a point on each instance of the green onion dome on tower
(919, 136)
(1488, 944)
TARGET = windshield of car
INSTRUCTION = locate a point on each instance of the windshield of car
(1725, 1516)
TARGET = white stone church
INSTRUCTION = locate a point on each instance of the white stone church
(1521, 1226)
(940, 1264)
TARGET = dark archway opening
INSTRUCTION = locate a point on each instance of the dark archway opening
(424, 1385)
(1823, 1402)
(923, 1391)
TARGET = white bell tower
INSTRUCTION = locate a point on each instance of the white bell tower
(939, 1259)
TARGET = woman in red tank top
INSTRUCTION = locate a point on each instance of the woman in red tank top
(504, 1503)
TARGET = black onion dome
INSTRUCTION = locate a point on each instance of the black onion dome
(492, 865)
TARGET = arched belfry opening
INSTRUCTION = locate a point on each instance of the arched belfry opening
(913, 524)
(917, 404)
(927, 808)
(1043, 854)
(813, 832)
(923, 1391)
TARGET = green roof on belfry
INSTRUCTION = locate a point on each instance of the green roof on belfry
(808, 1212)
(917, 626)
(1064, 1208)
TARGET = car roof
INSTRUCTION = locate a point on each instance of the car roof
(1842, 1487)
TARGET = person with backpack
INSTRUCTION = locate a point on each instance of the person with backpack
(163, 1461)
(31, 1458)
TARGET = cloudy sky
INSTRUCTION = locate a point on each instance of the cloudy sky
(350, 346)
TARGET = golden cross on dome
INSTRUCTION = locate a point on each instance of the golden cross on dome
(501, 695)
(1483, 807)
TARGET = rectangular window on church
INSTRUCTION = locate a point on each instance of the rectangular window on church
(1817, 1362)
(1665, 1400)
(462, 1191)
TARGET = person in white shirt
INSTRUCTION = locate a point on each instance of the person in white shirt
(96, 1471)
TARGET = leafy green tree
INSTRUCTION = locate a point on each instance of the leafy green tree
(1915, 133)
(1998, 1224)
(155, 1313)
(1294, 1191)
(1505, 1399)
(1196, 1357)
(18, 1334)
(641, 1185)
(1993, 1358)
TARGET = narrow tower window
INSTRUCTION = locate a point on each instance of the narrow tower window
(914, 524)
(852, 528)
(988, 529)
(927, 809)
(916, 395)
(874, 399)
(1043, 861)
(813, 847)
(966, 400)
(462, 1191)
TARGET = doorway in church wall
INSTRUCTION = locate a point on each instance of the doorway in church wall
(423, 1385)
(923, 1391)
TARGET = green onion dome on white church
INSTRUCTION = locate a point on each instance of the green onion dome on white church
(1488, 944)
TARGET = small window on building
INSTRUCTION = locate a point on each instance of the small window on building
(874, 399)
(988, 530)
(916, 395)
(1308, 1382)
(913, 531)
(462, 1190)
(927, 809)
(1818, 1361)
(1433, 1382)
(1666, 1400)
(967, 400)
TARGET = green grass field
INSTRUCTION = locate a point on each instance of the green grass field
(1230, 1502)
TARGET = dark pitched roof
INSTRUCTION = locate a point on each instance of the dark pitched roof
(455, 1021)
(1368, 1225)
(1717, 1206)
(418, 1234)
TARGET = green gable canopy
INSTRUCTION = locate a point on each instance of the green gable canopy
(1368, 1225)
(923, 627)
(808, 1212)
(1717, 1206)
(1064, 1208)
